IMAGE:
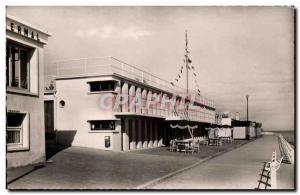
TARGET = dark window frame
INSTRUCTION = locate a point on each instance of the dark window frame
(14, 123)
(95, 125)
(98, 86)
(22, 81)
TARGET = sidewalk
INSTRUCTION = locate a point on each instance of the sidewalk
(86, 168)
(238, 169)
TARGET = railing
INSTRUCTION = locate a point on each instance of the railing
(287, 147)
(160, 109)
(110, 65)
(271, 168)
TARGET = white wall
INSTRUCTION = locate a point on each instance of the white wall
(226, 121)
(251, 132)
(239, 133)
(224, 132)
(81, 106)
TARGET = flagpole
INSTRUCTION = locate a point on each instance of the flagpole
(186, 65)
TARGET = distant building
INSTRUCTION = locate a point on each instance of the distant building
(240, 129)
(224, 118)
(246, 129)
(83, 86)
(25, 87)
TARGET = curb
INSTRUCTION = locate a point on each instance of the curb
(160, 179)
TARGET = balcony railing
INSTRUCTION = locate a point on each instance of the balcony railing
(160, 109)
(111, 65)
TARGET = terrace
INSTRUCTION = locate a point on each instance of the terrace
(203, 110)
(112, 66)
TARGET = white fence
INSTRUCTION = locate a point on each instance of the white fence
(287, 147)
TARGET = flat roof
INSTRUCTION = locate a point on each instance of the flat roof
(13, 18)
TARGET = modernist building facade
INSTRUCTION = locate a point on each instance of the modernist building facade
(107, 104)
(25, 87)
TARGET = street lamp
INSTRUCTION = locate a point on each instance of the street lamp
(247, 97)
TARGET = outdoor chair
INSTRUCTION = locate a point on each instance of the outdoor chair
(196, 146)
(173, 146)
(206, 141)
(188, 148)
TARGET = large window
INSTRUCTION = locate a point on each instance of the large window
(17, 66)
(17, 135)
(102, 86)
(102, 125)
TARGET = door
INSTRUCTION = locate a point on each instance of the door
(49, 120)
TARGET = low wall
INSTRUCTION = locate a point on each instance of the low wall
(287, 147)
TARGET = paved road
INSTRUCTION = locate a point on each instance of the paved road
(86, 168)
(238, 169)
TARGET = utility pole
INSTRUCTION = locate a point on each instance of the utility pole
(247, 97)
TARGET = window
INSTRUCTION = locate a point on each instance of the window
(14, 128)
(102, 125)
(17, 66)
(102, 86)
(62, 103)
(17, 136)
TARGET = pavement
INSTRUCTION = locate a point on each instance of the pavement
(86, 168)
(237, 169)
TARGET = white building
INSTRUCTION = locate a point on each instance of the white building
(25, 136)
(224, 118)
(107, 104)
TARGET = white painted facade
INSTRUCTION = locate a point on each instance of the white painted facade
(239, 132)
(25, 136)
(137, 126)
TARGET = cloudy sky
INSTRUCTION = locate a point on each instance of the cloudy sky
(235, 50)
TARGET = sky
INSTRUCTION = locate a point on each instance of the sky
(235, 50)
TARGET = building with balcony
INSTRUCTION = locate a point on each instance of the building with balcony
(108, 104)
(225, 118)
(25, 141)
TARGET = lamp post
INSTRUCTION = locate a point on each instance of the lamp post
(247, 97)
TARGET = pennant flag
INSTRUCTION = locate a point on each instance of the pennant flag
(176, 80)
(172, 83)
(198, 90)
(181, 70)
(195, 74)
(189, 60)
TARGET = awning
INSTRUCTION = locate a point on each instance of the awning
(190, 128)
